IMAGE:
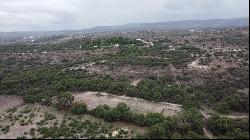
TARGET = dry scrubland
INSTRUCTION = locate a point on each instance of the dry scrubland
(195, 83)
(19, 120)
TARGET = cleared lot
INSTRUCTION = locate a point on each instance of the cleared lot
(93, 99)
(7, 101)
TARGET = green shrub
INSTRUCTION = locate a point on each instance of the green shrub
(12, 110)
(78, 108)
(154, 118)
(100, 111)
(156, 131)
(29, 98)
(64, 100)
(219, 125)
(49, 116)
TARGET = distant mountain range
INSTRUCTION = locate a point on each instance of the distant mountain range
(184, 24)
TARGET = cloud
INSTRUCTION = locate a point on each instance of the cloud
(79, 14)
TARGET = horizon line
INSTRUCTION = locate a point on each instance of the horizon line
(122, 25)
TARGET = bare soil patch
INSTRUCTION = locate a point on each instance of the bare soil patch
(93, 99)
(135, 82)
(8, 101)
(195, 65)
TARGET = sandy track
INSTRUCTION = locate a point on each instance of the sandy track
(207, 115)
(93, 99)
(207, 133)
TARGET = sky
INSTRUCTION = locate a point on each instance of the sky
(50, 15)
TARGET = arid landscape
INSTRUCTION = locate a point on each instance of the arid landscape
(27, 120)
(162, 74)
(108, 69)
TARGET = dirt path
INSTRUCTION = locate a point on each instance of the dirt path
(93, 99)
(206, 115)
(246, 91)
(238, 116)
(207, 133)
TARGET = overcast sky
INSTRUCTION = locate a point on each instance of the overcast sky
(26, 15)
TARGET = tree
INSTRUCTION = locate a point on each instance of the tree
(118, 87)
(190, 103)
(157, 96)
(194, 135)
(154, 118)
(237, 133)
(156, 131)
(29, 98)
(111, 115)
(100, 111)
(192, 119)
(219, 125)
(176, 136)
(64, 100)
(139, 119)
(223, 107)
(79, 108)
(123, 110)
